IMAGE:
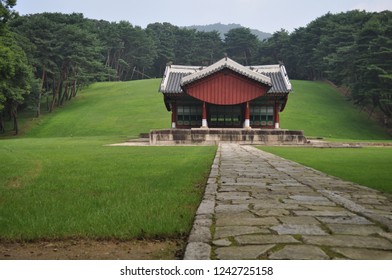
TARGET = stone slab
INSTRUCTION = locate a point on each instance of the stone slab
(271, 212)
(265, 239)
(317, 203)
(354, 229)
(299, 252)
(364, 254)
(387, 235)
(197, 251)
(233, 221)
(222, 242)
(299, 220)
(242, 252)
(367, 242)
(355, 220)
(298, 229)
(276, 205)
(211, 188)
(221, 232)
(231, 208)
(324, 213)
(200, 234)
(324, 208)
(202, 221)
(232, 195)
(206, 207)
(239, 215)
(309, 198)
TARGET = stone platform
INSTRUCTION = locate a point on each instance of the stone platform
(213, 136)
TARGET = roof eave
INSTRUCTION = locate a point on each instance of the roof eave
(229, 64)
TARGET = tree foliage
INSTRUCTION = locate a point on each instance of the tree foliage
(352, 49)
(5, 10)
(241, 45)
(15, 79)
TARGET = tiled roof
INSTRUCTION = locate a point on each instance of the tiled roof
(178, 75)
(171, 82)
(278, 75)
(174, 82)
(230, 64)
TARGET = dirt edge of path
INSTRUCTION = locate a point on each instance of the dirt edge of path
(93, 250)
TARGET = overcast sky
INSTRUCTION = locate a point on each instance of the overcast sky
(265, 15)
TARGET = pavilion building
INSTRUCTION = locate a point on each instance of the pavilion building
(225, 96)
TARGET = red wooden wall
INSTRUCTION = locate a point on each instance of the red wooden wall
(226, 88)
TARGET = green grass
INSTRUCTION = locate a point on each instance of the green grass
(122, 109)
(60, 180)
(54, 188)
(366, 166)
(321, 111)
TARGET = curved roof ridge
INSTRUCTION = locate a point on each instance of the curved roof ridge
(230, 64)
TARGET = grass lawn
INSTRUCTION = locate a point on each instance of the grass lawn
(123, 109)
(366, 166)
(321, 111)
(59, 180)
(52, 188)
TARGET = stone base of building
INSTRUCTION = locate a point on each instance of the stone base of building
(213, 136)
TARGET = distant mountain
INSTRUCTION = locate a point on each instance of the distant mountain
(224, 28)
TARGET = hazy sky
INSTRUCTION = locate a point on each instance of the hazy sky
(265, 15)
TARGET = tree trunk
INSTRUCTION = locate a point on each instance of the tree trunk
(2, 128)
(74, 89)
(40, 92)
(14, 114)
(64, 95)
(47, 103)
(371, 112)
(107, 64)
(59, 92)
(56, 90)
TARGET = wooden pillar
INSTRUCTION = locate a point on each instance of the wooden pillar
(247, 115)
(276, 115)
(204, 123)
(174, 114)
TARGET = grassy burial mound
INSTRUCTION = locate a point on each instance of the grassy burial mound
(321, 111)
(122, 109)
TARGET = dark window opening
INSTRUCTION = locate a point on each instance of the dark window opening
(225, 116)
(261, 116)
(189, 115)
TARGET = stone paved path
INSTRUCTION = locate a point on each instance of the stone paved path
(260, 206)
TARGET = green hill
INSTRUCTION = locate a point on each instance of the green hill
(122, 109)
(321, 111)
(126, 109)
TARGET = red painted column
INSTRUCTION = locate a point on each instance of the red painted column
(174, 114)
(247, 116)
(276, 117)
(204, 116)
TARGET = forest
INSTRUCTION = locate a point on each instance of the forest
(45, 59)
